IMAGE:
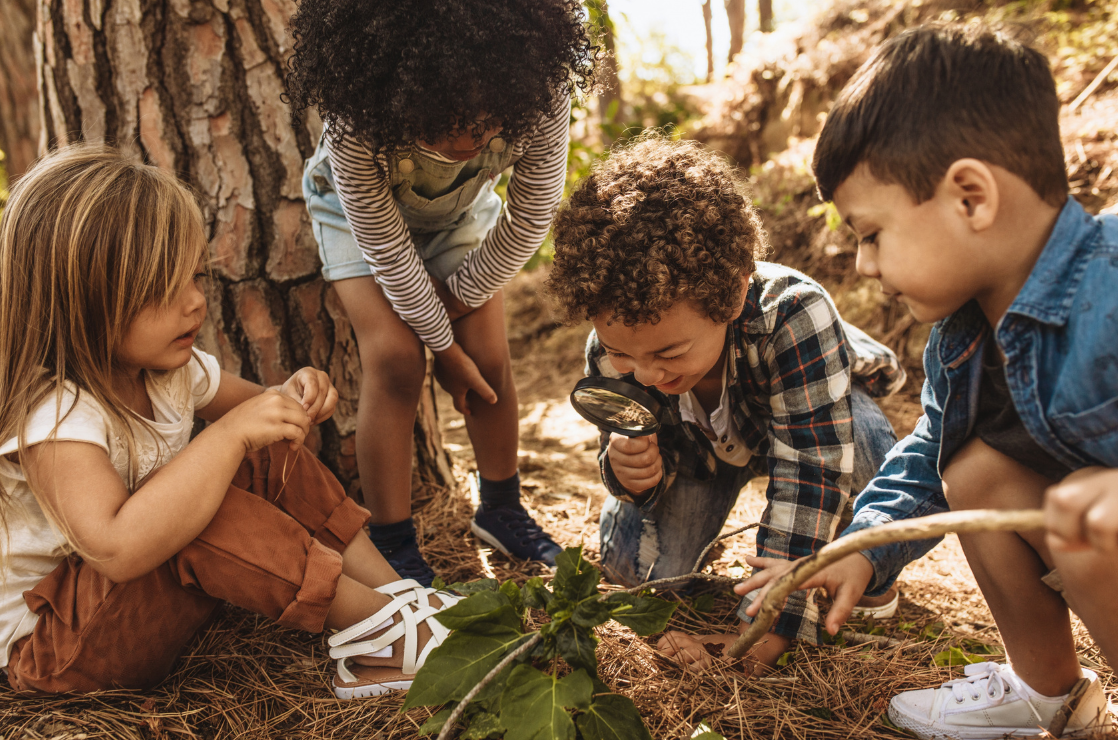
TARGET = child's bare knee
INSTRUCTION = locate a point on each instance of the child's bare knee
(402, 368)
(980, 477)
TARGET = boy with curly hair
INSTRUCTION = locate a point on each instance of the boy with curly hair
(656, 248)
(943, 154)
(425, 104)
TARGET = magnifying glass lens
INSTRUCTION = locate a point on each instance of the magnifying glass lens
(614, 409)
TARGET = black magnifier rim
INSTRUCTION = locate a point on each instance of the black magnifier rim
(622, 388)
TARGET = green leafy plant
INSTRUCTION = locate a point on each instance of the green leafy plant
(503, 682)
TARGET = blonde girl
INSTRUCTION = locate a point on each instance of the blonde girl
(121, 533)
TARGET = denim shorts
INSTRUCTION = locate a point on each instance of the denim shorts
(442, 252)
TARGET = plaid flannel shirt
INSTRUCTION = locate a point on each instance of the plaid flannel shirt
(789, 383)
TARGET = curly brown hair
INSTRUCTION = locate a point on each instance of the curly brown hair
(656, 222)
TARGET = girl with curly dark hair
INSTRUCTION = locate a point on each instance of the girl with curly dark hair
(425, 104)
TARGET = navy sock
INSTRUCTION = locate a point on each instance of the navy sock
(497, 493)
(388, 537)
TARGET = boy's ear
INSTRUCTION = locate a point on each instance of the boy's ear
(972, 190)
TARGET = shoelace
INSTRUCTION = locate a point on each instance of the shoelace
(524, 527)
(993, 679)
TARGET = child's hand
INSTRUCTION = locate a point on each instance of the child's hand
(458, 375)
(1082, 511)
(845, 581)
(635, 461)
(455, 309)
(699, 652)
(265, 419)
(313, 389)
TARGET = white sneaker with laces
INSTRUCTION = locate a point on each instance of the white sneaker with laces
(990, 702)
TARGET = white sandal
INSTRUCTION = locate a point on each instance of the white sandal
(377, 637)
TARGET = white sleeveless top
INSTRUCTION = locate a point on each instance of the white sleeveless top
(34, 547)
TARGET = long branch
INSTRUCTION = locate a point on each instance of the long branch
(921, 528)
(449, 724)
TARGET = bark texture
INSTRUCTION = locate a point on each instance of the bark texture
(735, 16)
(19, 109)
(194, 86)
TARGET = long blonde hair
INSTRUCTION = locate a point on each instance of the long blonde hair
(88, 239)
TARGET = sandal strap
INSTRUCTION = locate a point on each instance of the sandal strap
(414, 603)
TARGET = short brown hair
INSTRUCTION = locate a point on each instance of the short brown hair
(939, 93)
(655, 223)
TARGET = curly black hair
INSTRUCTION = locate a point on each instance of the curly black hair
(656, 223)
(392, 73)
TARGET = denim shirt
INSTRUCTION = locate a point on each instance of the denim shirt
(1060, 340)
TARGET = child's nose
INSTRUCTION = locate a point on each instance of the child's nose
(648, 374)
(866, 262)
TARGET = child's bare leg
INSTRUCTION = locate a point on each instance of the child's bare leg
(363, 563)
(1032, 618)
(493, 428)
(392, 370)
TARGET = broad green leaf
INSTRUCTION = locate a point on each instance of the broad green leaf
(536, 595)
(784, 659)
(591, 612)
(703, 603)
(534, 706)
(473, 587)
(577, 646)
(955, 656)
(435, 723)
(512, 593)
(456, 666)
(575, 579)
(438, 584)
(483, 725)
(645, 615)
(485, 608)
(612, 717)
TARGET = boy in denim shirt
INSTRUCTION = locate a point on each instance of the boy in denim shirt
(762, 378)
(944, 156)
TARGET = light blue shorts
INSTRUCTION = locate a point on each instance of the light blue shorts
(442, 252)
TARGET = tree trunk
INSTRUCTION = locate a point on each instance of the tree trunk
(765, 15)
(710, 40)
(19, 109)
(194, 86)
(735, 15)
(610, 103)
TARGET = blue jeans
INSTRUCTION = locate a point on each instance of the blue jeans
(639, 546)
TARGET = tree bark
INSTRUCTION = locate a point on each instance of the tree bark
(735, 15)
(610, 102)
(710, 40)
(194, 86)
(19, 109)
(765, 15)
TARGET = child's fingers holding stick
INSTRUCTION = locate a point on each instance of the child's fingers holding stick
(1082, 512)
(266, 419)
(312, 388)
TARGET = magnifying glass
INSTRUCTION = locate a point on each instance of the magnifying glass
(617, 406)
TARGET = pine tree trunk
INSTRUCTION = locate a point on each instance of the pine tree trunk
(735, 15)
(765, 15)
(194, 86)
(707, 16)
(610, 103)
(19, 109)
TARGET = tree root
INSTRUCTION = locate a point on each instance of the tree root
(921, 528)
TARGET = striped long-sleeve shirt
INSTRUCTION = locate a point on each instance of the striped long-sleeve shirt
(534, 191)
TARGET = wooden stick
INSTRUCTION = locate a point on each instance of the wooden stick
(1093, 86)
(920, 528)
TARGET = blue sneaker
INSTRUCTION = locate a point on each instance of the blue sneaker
(514, 532)
(408, 562)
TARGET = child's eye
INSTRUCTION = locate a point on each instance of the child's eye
(200, 276)
(869, 239)
(611, 353)
(676, 357)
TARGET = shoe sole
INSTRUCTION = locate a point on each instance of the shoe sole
(345, 693)
(921, 729)
(885, 611)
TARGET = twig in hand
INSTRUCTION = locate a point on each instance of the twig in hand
(449, 724)
(695, 575)
(920, 528)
